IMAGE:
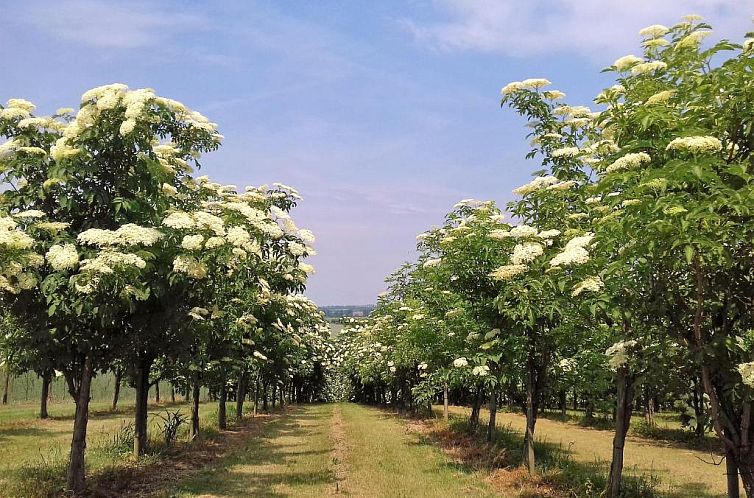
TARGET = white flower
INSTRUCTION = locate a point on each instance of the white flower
(536, 184)
(179, 220)
(523, 231)
(747, 373)
(507, 272)
(628, 162)
(591, 284)
(566, 152)
(30, 213)
(127, 127)
(696, 145)
(192, 242)
(526, 253)
(62, 257)
(654, 31)
(480, 371)
(460, 362)
(618, 353)
(431, 263)
(626, 62)
(648, 67)
(189, 266)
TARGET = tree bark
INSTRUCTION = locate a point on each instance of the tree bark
(142, 402)
(731, 472)
(76, 465)
(172, 393)
(222, 419)
(256, 395)
(240, 395)
(445, 402)
(46, 380)
(157, 392)
(194, 428)
(116, 393)
(625, 394)
(531, 421)
(7, 385)
(491, 425)
(476, 407)
(563, 402)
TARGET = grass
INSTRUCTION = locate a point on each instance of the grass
(682, 472)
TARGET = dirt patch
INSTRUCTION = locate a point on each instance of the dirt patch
(340, 450)
(153, 478)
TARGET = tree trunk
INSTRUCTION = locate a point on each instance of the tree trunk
(731, 472)
(476, 408)
(531, 421)
(194, 428)
(7, 385)
(240, 395)
(264, 395)
(274, 394)
(172, 393)
(142, 403)
(625, 395)
(222, 419)
(256, 395)
(46, 380)
(76, 466)
(445, 402)
(493, 416)
(649, 407)
(563, 402)
(157, 392)
(116, 393)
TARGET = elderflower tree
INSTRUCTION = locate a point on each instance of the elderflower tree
(111, 249)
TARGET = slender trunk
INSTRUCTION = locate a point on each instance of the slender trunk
(274, 394)
(46, 380)
(142, 402)
(194, 428)
(240, 395)
(222, 419)
(531, 421)
(625, 391)
(256, 395)
(476, 408)
(7, 385)
(731, 472)
(264, 396)
(76, 467)
(157, 392)
(445, 402)
(116, 393)
(172, 393)
(697, 401)
(649, 407)
(493, 416)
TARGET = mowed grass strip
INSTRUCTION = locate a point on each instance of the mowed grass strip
(683, 472)
(290, 455)
(384, 459)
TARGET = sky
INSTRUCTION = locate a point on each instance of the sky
(383, 114)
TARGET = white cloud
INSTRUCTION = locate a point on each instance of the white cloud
(584, 27)
(107, 25)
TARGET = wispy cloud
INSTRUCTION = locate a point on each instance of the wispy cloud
(108, 25)
(586, 27)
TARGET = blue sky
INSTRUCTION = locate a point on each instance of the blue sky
(382, 113)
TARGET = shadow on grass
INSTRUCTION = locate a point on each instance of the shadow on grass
(469, 452)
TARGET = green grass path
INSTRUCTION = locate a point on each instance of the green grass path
(333, 450)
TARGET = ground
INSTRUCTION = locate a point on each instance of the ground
(324, 450)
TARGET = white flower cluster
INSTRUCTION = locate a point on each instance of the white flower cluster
(460, 362)
(574, 252)
(11, 238)
(127, 235)
(629, 161)
(432, 263)
(537, 183)
(62, 257)
(747, 373)
(480, 371)
(617, 354)
(654, 31)
(526, 253)
(507, 272)
(626, 62)
(696, 145)
(591, 284)
(189, 266)
(528, 84)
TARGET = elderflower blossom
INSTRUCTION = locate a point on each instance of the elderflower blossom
(574, 252)
(625, 62)
(30, 213)
(747, 373)
(548, 234)
(566, 152)
(693, 40)
(654, 31)
(431, 263)
(562, 185)
(526, 253)
(460, 362)
(192, 242)
(179, 220)
(617, 354)
(748, 45)
(591, 284)
(536, 184)
(660, 97)
(62, 257)
(648, 67)
(189, 266)
(507, 272)
(523, 231)
(629, 161)
(553, 95)
(696, 144)
(480, 371)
